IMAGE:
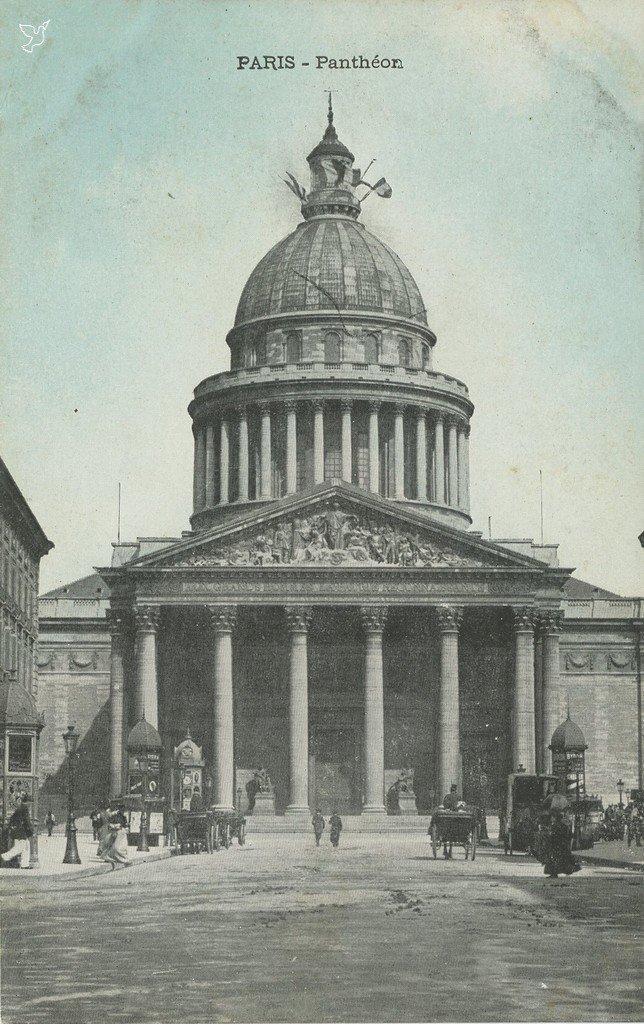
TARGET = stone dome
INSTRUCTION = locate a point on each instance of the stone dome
(568, 736)
(328, 262)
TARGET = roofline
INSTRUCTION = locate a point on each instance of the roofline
(25, 514)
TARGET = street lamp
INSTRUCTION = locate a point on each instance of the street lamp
(144, 764)
(620, 790)
(239, 796)
(71, 738)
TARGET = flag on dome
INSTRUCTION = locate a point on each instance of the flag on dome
(382, 188)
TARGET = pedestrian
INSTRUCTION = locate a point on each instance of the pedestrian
(115, 850)
(50, 822)
(21, 831)
(558, 856)
(335, 825)
(318, 826)
(97, 821)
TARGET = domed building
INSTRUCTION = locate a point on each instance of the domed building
(330, 616)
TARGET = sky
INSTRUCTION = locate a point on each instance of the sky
(141, 185)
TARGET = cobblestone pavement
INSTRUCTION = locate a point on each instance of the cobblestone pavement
(281, 931)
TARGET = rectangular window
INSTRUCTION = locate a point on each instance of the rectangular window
(20, 754)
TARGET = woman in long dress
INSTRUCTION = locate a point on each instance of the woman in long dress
(116, 852)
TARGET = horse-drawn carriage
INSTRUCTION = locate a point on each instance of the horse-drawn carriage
(454, 827)
(206, 831)
(526, 797)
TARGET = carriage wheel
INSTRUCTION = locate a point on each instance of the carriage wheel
(434, 839)
(474, 839)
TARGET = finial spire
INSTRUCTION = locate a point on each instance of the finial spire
(330, 113)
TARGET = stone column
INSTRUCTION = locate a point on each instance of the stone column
(399, 452)
(224, 456)
(523, 705)
(298, 620)
(452, 464)
(551, 697)
(421, 455)
(210, 466)
(449, 748)
(374, 448)
(466, 468)
(439, 459)
(265, 452)
(222, 620)
(463, 497)
(116, 623)
(373, 621)
(318, 442)
(243, 454)
(291, 447)
(199, 470)
(346, 441)
(146, 704)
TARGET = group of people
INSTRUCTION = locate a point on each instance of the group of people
(335, 827)
(623, 821)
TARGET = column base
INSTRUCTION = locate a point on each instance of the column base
(228, 808)
(301, 815)
(407, 803)
(374, 809)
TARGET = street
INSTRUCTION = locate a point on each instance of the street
(281, 931)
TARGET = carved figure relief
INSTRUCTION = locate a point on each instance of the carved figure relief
(330, 537)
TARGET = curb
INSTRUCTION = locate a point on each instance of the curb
(95, 869)
(606, 862)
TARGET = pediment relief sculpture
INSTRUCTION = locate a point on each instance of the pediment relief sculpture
(331, 536)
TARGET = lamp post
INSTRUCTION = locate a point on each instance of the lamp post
(71, 738)
(620, 790)
(239, 796)
(143, 830)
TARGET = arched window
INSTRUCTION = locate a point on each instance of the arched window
(251, 354)
(426, 357)
(332, 348)
(404, 357)
(293, 347)
(371, 346)
(260, 352)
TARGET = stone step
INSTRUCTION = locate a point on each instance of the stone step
(418, 823)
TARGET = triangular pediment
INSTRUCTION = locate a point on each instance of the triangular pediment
(334, 526)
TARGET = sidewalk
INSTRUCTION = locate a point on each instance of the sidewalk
(614, 855)
(51, 851)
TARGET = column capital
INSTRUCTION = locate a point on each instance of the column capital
(524, 619)
(421, 414)
(374, 405)
(399, 408)
(318, 404)
(439, 416)
(290, 405)
(264, 408)
(373, 618)
(464, 427)
(346, 405)
(147, 618)
(549, 623)
(241, 410)
(298, 618)
(450, 618)
(117, 619)
(222, 617)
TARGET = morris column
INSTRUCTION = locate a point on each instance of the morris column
(222, 620)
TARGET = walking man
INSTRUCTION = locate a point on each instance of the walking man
(335, 825)
(50, 821)
(318, 826)
(21, 831)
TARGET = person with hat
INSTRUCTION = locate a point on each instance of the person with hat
(318, 823)
(450, 802)
(50, 822)
(21, 830)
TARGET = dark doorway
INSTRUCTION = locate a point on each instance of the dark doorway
(334, 771)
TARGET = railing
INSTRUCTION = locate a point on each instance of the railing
(604, 608)
(318, 369)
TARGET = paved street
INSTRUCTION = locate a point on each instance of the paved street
(282, 931)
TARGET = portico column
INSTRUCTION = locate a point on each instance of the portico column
(463, 497)
(421, 455)
(318, 442)
(449, 752)
(551, 698)
(452, 464)
(291, 447)
(523, 705)
(399, 453)
(115, 619)
(373, 621)
(346, 441)
(298, 620)
(145, 697)
(210, 466)
(222, 620)
(265, 451)
(439, 459)
(374, 447)
(199, 470)
(224, 456)
(243, 454)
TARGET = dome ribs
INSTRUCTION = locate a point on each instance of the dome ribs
(278, 281)
(330, 268)
(314, 297)
(417, 309)
(369, 292)
(295, 284)
(349, 274)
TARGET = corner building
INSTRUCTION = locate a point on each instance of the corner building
(330, 616)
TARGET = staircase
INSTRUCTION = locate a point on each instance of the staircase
(418, 823)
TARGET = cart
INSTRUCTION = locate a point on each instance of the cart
(194, 832)
(523, 810)
(449, 827)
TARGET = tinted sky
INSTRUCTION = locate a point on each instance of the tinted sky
(512, 139)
